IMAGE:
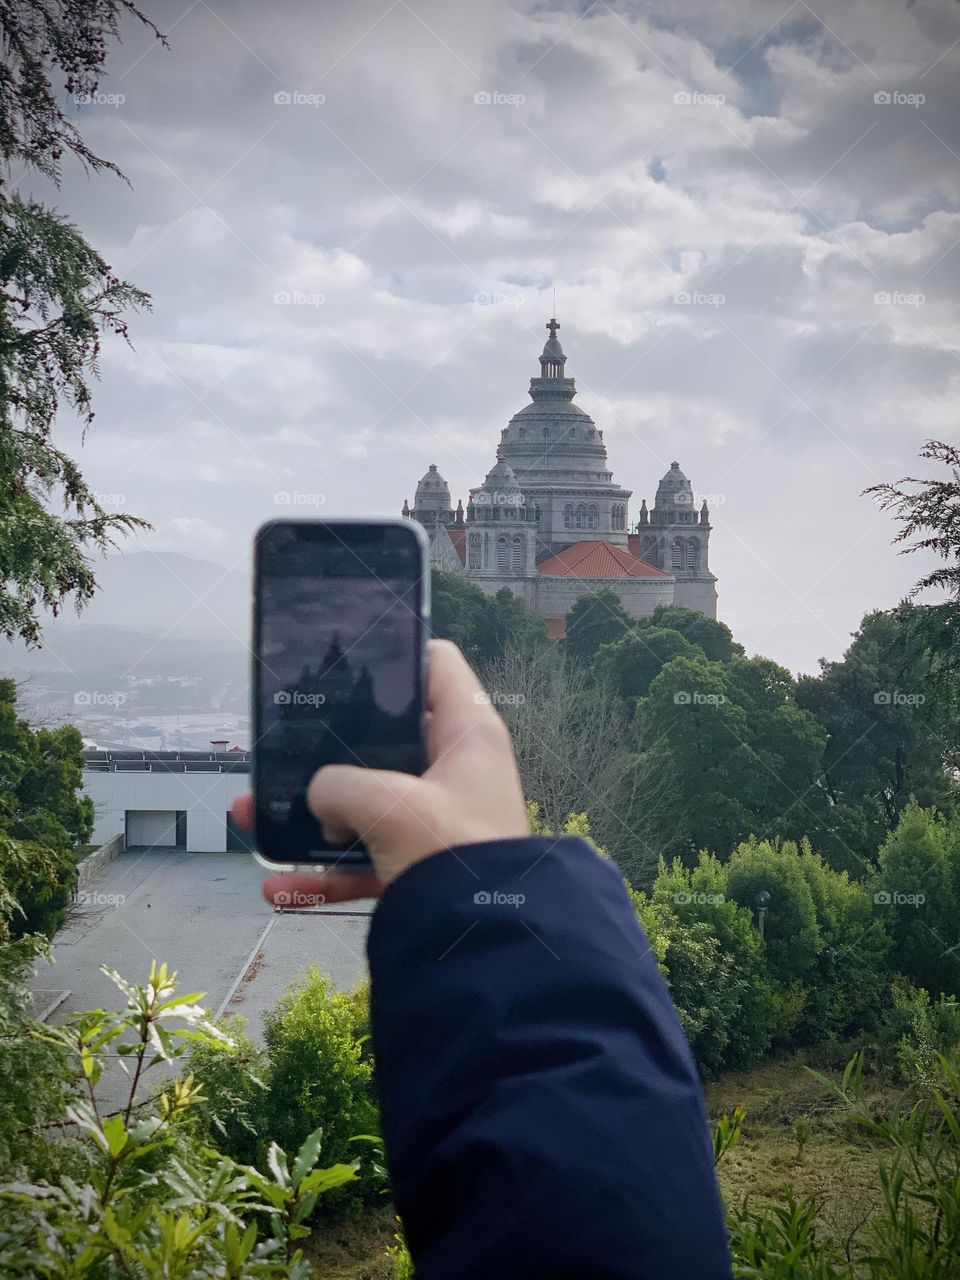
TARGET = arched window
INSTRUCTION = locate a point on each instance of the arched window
(517, 557)
(592, 515)
(616, 516)
(581, 515)
(473, 551)
(693, 554)
(568, 515)
(678, 553)
(502, 555)
(649, 551)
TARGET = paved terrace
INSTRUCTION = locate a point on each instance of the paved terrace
(203, 914)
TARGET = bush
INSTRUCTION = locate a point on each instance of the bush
(154, 1202)
(314, 1072)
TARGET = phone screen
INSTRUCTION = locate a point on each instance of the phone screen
(339, 623)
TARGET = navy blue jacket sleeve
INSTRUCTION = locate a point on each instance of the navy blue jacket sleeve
(540, 1109)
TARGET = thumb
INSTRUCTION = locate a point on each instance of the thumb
(352, 802)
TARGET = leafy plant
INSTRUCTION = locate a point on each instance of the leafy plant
(155, 1203)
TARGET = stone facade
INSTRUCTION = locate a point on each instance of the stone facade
(550, 523)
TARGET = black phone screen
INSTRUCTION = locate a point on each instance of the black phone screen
(339, 633)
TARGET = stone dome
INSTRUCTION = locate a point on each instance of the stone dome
(674, 492)
(433, 492)
(501, 479)
(552, 440)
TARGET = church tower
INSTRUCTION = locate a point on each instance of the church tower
(501, 531)
(675, 537)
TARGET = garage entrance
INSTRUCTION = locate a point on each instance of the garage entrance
(237, 838)
(156, 829)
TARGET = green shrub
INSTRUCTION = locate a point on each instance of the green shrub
(319, 1070)
(153, 1202)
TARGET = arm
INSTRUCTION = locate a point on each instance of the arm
(540, 1108)
(541, 1112)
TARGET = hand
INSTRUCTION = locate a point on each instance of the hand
(469, 793)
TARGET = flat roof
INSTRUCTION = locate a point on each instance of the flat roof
(131, 761)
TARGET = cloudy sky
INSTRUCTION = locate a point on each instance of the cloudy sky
(352, 218)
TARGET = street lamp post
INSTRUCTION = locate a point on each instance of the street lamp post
(763, 901)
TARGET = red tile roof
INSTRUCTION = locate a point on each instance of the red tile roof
(556, 628)
(633, 544)
(597, 560)
(459, 539)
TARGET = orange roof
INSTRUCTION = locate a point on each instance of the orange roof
(633, 544)
(556, 628)
(597, 560)
(459, 539)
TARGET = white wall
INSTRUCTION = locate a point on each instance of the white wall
(206, 797)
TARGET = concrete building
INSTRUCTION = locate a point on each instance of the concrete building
(167, 799)
(550, 523)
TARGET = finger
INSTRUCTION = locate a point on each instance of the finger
(455, 698)
(299, 889)
(351, 802)
(241, 811)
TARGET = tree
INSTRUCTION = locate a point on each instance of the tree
(485, 627)
(714, 638)
(507, 625)
(57, 296)
(595, 620)
(43, 817)
(930, 514)
(572, 743)
(890, 736)
(733, 750)
(792, 934)
(633, 661)
(457, 605)
(917, 892)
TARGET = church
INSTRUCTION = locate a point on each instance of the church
(550, 523)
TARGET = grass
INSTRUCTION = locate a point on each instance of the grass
(794, 1137)
(353, 1247)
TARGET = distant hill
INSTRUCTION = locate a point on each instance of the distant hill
(170, 632)
(162, 594)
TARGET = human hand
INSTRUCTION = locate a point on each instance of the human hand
(469, 793)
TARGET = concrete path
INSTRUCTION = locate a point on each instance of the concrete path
(203, 914)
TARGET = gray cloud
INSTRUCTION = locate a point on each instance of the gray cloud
(417, 235)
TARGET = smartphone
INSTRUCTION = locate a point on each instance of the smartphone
(340, 622)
